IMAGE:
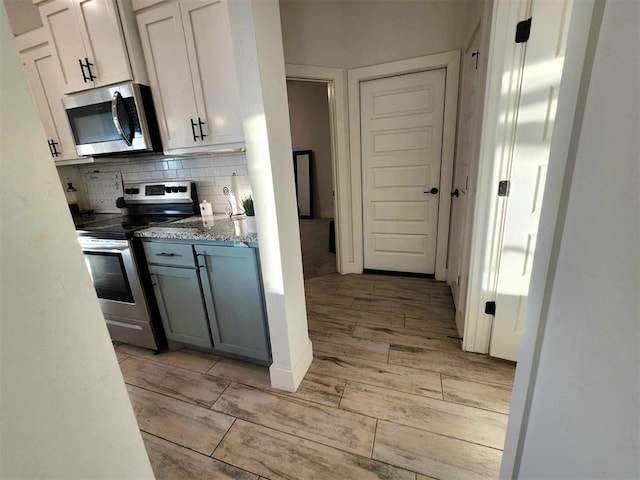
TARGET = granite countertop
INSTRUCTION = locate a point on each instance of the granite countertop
(195, 228)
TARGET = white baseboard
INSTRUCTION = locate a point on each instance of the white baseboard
(289, 379)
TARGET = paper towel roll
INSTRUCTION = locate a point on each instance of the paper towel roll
(235, 191)
(206, 209)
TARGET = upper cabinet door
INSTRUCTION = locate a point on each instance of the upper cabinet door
(165, 54)
(87, 40)
(210, 51)
(103, 40)
(65, 38)
(45, 82)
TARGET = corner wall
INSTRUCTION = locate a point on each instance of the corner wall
(350, 34)
(65, 410)
(584, 416)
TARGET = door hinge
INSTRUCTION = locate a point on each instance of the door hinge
(523, 30)
(490, 308)
(503, 188)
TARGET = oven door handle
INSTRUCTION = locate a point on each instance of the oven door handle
(106, 248)
(116, 118)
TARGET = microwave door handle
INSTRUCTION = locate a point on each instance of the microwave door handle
(116, 119)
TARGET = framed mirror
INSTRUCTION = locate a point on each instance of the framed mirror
(302, 170)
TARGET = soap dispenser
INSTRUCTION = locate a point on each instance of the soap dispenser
(72, 198)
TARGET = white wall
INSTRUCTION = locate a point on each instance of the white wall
(352, 33)
(257, 44)
(584, 418)
(309, 118)
(65, 411)
(23, 16)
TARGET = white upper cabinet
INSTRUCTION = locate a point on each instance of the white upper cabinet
(45, 82)
(189, 56)
(88, 42)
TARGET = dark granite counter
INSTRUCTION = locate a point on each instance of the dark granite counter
(196, 228)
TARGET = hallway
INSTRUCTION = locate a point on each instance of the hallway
(389, 395)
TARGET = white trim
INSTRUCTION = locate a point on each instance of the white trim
(31, 39)
(505, 63)
(451, 62)
(334, 77)
(290, 379)
(583, 32)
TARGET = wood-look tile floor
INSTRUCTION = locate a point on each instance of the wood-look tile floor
(390, 395)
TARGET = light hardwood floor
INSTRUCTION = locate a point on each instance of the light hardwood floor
(390, 395)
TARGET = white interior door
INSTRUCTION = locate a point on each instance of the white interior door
(401, 136)
(468, 124)
(528, 169)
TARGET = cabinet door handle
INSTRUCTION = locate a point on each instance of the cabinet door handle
(193, 130)
(82, 66)
(200, 123)
(162, 254)
(89, 65)
(52, 148)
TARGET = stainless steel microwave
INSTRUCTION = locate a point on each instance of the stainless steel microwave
(117, 119)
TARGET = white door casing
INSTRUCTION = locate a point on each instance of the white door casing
(527, 171)
(447, 60)
(341, 168)
(466, 154)
(401, 141)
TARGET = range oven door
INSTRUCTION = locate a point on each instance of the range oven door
(117, 283)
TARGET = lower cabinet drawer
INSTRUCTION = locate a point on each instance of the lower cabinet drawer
(172, 254)
(131, 332)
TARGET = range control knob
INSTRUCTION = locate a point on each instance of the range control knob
(135, 191)
(167, 189)
(182, 189)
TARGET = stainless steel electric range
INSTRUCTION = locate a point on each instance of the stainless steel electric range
(116, 261)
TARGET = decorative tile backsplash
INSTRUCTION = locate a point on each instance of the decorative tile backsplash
(210, 174)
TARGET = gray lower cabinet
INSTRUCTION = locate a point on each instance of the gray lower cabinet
(232, 292)
(216, 303)
(180, 302)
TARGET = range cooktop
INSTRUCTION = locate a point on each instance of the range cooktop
(121, 226)
(145, 204)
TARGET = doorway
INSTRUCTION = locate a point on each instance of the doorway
(465, 170)
(413, 245)
(309, 115)
(401, 134)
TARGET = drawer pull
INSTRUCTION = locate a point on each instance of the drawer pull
(162, 254)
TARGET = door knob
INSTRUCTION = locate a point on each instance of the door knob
(455, 193)
(433, 191)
